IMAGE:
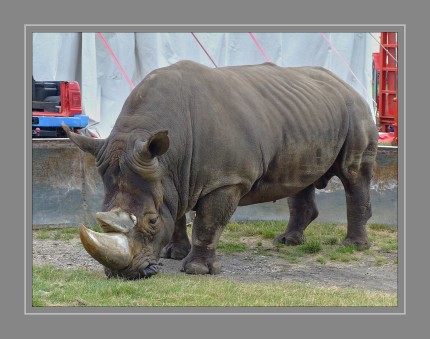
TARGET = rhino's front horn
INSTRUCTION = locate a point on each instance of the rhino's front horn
(110, 249)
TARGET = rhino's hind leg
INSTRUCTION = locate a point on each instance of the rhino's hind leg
(357, 190)
(303, 211)
(179, 245)
(212, 214)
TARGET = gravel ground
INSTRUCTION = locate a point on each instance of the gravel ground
(247, 266)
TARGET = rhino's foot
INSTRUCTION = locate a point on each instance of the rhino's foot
(290, 239)
(199, 262)
(176, 250)
(361, 244)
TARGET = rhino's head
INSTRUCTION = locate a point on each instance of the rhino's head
(134, 216)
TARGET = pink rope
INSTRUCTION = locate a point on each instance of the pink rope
(124, 74)
(198, 41)
(342, 59)
(386, 50)
(259, 47)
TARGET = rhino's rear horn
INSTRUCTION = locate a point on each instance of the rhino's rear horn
(116, 221)
(86, 144)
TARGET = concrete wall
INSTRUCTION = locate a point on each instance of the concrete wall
(67, 190)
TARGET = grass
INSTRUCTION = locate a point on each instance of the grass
(311, 247)
(263, 229)
(60, 287)
(61, 233)
(56, 234)
(322, 242)
(229, 247)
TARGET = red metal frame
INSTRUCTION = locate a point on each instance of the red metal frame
(387, 101)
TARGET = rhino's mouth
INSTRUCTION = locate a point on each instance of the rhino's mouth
(142, 273)
(112, 250)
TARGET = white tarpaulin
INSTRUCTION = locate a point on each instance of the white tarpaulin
(84, 57)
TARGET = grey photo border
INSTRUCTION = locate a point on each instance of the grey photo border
(14, 323)
(400, 309)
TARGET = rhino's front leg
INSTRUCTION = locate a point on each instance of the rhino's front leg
(179, 245)
(212, 215)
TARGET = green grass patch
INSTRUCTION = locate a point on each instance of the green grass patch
(342, 253)
(264, 229)
(331, 241)
(229, 248)
(56, 234)
(292, 254)
(311, 247)
(321, 260)
(347, 249)
(390, 246)
(66, 233)
(268, 234)
(322, 241)
(263, 252)
(380, 261)
(41, 235)
(61, 287)
(378, 227)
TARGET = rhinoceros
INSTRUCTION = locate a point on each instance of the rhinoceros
(194, 138)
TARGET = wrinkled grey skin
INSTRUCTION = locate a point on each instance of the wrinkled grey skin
(194, 138)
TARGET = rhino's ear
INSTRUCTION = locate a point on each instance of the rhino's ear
(156, 145)
(86, 144)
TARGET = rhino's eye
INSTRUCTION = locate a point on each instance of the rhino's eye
(153, 220)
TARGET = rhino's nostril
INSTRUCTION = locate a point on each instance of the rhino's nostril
(151, 270)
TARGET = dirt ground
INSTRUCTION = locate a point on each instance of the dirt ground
(246, 266)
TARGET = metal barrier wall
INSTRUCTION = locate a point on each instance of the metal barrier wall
(67, 190)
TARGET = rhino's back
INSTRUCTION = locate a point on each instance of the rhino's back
(243, 101)
(270, 129)
(280, 126)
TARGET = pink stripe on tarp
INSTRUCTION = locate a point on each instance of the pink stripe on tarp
(325, 37)
(342, 59)
(124, 74)
(198, 41)
(259, 47)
